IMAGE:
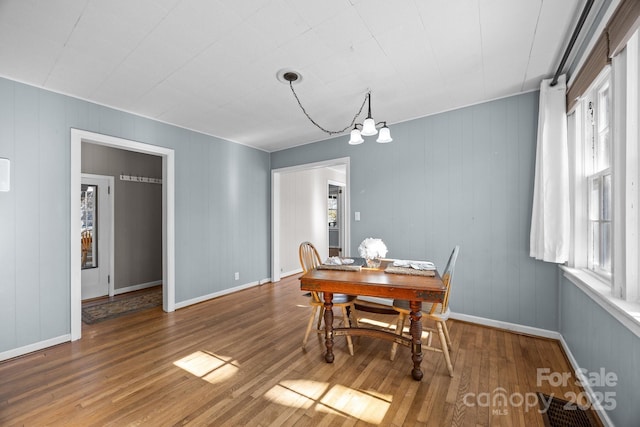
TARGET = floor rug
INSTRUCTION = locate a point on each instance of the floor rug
(123, 306)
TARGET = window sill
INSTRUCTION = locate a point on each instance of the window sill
(627, 313)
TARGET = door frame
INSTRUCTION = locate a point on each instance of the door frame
(168, 218)
(275, 207)
(111, 237)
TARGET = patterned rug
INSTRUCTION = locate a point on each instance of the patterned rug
(112, 309)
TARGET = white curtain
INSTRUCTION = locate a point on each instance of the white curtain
(550, 221)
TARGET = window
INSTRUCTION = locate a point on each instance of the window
(597, 147)
(88, 227)
(604, 134)
(332, 211)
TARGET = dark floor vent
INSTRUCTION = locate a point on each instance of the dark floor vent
(561, 413)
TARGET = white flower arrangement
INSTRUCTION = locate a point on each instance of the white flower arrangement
(371, 248)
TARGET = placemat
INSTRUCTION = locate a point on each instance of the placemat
(347, 267)
(408, 270)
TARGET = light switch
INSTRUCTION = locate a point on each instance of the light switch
(357, 216)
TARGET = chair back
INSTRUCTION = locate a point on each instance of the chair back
(309, 259)
(86, 241)
(447, 276)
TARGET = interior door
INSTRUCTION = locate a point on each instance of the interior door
(95, 235)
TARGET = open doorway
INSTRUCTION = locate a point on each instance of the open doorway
(136, 196)
(299, 211)
(168, 228)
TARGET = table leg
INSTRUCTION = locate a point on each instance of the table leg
(416, 335)
(328, 326)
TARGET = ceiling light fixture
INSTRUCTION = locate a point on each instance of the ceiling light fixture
(368, 128)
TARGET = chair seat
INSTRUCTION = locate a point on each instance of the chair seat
(310, 259)
(342, 298)
(440, 315)
(403, 305)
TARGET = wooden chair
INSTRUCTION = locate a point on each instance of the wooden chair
(86, 241)
(310, 259)
(437, 312)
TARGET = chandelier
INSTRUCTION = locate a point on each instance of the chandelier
(367, 128)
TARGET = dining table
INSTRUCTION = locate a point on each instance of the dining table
(376, 282)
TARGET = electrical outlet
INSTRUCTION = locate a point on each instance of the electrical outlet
(237, 276)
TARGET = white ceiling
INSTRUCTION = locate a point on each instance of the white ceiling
(211, 65)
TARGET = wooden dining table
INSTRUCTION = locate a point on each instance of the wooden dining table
(376, 282)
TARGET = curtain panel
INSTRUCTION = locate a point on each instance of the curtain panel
(550, 218)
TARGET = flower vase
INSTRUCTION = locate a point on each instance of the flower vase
(373, 262)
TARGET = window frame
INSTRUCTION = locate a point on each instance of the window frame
(594, 259)
(597, 123)
(626, 99)
(582, 137)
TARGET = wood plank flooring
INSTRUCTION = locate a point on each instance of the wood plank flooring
(237, 361)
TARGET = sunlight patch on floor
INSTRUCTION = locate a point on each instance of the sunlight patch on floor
(296, 393)
(391, 327)
(377, 323)
(359, 404)
(368, 406)
(208, 366)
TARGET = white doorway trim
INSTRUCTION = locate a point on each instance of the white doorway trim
(275, 207)
(168, 217)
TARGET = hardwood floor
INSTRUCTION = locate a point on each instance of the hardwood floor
(237, 361)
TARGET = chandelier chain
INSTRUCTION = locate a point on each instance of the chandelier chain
(330, 132)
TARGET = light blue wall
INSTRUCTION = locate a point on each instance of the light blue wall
(461, 177)
(222, 208)
(598, 341)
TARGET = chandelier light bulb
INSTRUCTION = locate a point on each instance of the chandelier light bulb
(385, 135)
(369, 127)
(356, 138)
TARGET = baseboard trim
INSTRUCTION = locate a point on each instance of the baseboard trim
(513, 327)
(290, 273)
(585, 383)
(21, 351)
(207, 297)
(377, 300)
(137, 287)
